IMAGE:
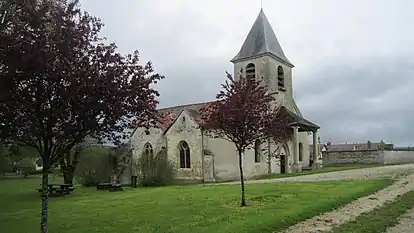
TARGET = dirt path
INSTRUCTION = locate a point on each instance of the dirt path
(363, 173)
(325, 222)
(405, 224)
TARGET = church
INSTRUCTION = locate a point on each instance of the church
(196, 156)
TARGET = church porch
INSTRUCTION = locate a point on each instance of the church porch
(300, 124)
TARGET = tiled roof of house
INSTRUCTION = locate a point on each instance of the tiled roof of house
(169, 114)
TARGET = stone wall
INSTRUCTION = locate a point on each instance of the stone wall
(349, 157)
(398, 157)
(368, 157)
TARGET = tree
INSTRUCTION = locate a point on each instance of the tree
(69, 161)
(241, 114)
(61, 83)
(94, 166)
(279, 132)
(6, 7)
(120, 157)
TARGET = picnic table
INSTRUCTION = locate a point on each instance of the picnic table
(59, 189)
(109, 186)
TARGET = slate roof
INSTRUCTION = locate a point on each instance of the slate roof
(261, 40)
(299, 120)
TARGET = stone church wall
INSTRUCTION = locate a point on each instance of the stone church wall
(226, 160)
(303, 138)
(185, 129)
(368, 157)
(140, 138)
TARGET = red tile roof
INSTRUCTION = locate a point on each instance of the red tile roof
(168, 115)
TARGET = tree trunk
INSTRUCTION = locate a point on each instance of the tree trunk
(243, 198)
(45, 194)
(269, 157)
(68, 175)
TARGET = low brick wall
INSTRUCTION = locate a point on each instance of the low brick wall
(368, 157)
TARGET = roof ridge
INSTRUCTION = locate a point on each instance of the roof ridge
(263, 15)
(185, 105)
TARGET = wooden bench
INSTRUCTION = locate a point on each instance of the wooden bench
(58, 189)
(104, 186)
(115, 188)
(109, 186)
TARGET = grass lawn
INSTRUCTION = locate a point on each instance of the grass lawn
(178, 209)
(322, 170)
(380, 219)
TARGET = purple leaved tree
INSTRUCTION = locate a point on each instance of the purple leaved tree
(61, 83)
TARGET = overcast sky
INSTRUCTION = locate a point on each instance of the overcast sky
(354, 59)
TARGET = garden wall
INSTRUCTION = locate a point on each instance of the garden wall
(398, 157)
(368, 157)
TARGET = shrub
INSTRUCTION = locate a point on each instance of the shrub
(5, 165)
(26, 166)
(94, 167)
(154, 170)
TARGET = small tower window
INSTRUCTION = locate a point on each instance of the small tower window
(250, 71)
(280, 77)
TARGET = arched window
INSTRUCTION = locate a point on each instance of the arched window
(148, 149)
(300, 152)
(250, 71)
(185, 161)
(280, 77)
(257, 151)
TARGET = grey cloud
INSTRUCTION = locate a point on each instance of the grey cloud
(370, 100)
(353, 59)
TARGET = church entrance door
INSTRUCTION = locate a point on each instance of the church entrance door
(282, 164)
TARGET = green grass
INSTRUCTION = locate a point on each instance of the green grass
(178, 209)
(380, 219)
(343, 167)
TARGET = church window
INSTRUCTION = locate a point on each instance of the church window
(257, 151)
(250, 71)
(148, 149)
(300, 152)
(280, 77)
(184, 155)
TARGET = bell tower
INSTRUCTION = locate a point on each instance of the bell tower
(262, 56)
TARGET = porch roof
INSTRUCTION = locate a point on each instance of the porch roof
(304, 125)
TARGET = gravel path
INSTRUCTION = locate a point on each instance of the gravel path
(364, 173)
(405, 225)
(327, 221)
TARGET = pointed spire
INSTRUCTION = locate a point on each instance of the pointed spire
(261, 40)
